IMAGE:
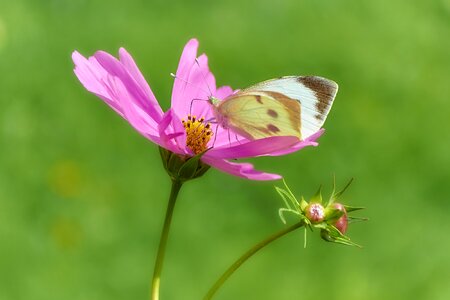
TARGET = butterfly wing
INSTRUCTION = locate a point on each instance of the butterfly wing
(259, 114)
(315, 95)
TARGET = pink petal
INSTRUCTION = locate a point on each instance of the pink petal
(130, 65)
(178, 127)
(193, 84)
(223, 92)
(162, 127)
(93, 76)
(113, 91)
(243, 170)
(134, 114)
(138, 95)
(310, 141)
(202, 86)
(255, 148)
(168, 135)
(187, 60)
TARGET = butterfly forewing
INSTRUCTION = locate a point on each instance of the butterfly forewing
(315, 94)
(259, 114)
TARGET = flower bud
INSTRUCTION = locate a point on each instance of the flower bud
(315, 212)
(341, 223)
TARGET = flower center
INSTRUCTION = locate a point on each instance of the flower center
(198, 133)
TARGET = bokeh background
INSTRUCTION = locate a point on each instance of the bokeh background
(82, 195)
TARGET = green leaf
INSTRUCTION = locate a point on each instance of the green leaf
(303, 204)
(287, 195)
(338, 194)
(202, 169)
(317, 198)
(332, 234)
(165, 154)
(287, 188)
(331, 200)
(281, 212)
(356, 219)
(283, 196)
(174, 164)
(352, 208)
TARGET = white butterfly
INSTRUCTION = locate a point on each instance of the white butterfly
(286, 106)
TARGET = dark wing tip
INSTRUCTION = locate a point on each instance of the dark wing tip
(325, 91)
(319, 84)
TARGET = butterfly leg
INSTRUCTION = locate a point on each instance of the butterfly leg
(192, 101)
(215, 134)
(237, 139)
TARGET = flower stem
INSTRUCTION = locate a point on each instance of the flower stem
(176, 186)
(246, 256)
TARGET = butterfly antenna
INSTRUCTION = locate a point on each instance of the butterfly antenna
(215, 134)
(204, 78)
(187, 82)
(206, 82)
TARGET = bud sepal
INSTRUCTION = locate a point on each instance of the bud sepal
(183, 168)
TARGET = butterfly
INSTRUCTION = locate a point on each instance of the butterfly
(286, 106)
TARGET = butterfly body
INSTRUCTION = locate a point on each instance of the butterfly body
(287, 106)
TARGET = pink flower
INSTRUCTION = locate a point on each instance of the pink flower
(121, 85)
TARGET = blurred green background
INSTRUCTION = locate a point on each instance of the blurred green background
(82, 195)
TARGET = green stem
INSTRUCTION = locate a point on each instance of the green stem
(246, 256)
(176, 186)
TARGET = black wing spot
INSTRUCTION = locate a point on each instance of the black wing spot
(273, 128)
(272, 113)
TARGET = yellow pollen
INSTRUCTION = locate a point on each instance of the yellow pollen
(198, 133)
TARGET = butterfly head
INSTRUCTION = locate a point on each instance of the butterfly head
(219, 116)
(214, 101)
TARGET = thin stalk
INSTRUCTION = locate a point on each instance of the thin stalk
(176, 186)
(246, 256)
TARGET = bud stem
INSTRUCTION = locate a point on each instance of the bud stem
(246, 256)
(176, 186)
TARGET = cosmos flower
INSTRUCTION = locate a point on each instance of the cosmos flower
(185, 129)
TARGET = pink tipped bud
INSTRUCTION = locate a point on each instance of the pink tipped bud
(315, 212)
(341, 223)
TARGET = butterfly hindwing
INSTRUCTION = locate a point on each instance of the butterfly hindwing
(260, 114)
